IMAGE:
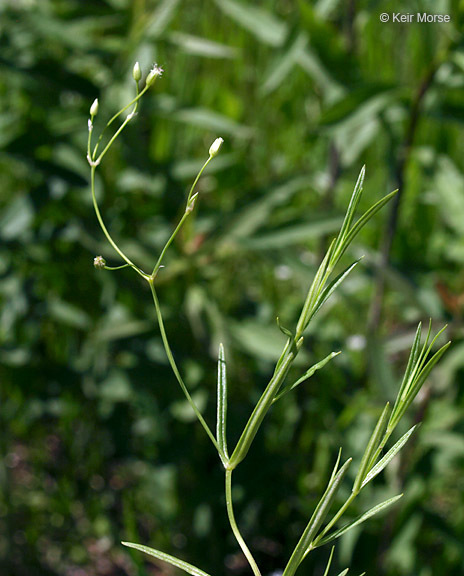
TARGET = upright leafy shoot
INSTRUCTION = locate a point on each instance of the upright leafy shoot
(318, 530)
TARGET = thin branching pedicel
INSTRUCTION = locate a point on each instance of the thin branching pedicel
(318, 531)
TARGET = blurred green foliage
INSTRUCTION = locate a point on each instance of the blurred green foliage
(97, 444)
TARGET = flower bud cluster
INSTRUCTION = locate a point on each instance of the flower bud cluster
(99, 262)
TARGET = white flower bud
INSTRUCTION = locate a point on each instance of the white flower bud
(136, 72)
(214, 148)
(153, 74)
(94, 108)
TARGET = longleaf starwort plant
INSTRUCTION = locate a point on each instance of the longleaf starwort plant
(319, 530)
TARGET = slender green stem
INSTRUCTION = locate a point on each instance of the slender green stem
(105, 230)
(117, 267)
(174, 368)
(118, 131)
(233, 525)
(133, 101)
(188, 210)
(189, 197)
(168, 243)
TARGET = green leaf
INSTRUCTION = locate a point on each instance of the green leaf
(314, 290)
(412, 363)
(371, 447)
(354, 201)
(284, 330)
(365, 218)
(202, 46)
(345, 572)
(424, 354)
(222, 407)
(167, 558)
(17, 218)
(210, 120)
(316, 521)
(257, 214)
(326, 573)
(161, 18)
(261, 23)
(388, 456)
(306, 375)
(291, 235)
(280, 68)
(327, 292)
(335, 468)
(416, 383)
(68, 314)
(416, 373)
(256, 339)
(362, 518)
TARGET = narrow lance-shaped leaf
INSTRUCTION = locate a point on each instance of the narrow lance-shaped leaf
(222, 407)
(362, 518)
(371, 447)
(415, 369)
(425, 350)
(326, 573)
(316, 521)
(412, 363)
(284, 330)
(345, 572)
(327, 293)
(261, 409)
(426, 354)
(193, 570)
(306, 375)
(354, 201)
(388, 457)
(314, 290)
(425, 373)
(364, 220)
(415, 387)
(335, 468)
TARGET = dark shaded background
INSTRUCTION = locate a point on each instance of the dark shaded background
(97, 444)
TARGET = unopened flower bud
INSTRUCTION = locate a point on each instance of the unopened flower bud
(191, 204)
(153, 74)
(99, 262)
(136, 72)
(215, 146)
(94, 108)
